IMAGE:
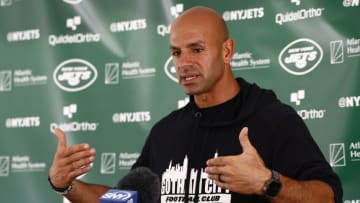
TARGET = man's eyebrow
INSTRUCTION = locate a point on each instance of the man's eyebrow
(196, 44)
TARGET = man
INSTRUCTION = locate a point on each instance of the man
(234, 142)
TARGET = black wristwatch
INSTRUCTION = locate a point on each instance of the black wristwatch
(272, 186)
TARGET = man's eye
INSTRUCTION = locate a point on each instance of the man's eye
(197, 50)
(175, 53)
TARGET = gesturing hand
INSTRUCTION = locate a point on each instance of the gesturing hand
(245, 173)
(69, 162)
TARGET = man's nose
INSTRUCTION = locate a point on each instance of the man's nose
(184, 60)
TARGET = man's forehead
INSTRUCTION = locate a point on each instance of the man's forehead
(188, 44)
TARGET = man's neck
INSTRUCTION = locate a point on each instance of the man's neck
(217, 97)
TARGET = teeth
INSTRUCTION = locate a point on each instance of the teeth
(189, 78)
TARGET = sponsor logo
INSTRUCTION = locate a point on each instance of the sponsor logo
(296, 97)
(349, 102)
(76, 38)
(20, 78)
(352, 201)
(4, 165)
(74, 75)
(24, 35)
(351, 3)
(112, 73)
(303, 14)
(296, 2)
(5, 81)
(311, 114)
(24, 164)
(244, 14)
(301, 56)
(163, 30)
(134, 69)
(23, 122)
(4, 3)
(337, 155)
(170, 71)
(354, 149)
(73, 22)
(72, 1)
(336, 52)
(126, 160)
(74, 126)
(306, 114)
(70, 110)
(245, 60)
(27, 78)
(118, 195)
(132, 117)
(176, 10)
(125, 26)
(353, 47)
(183, 102)
(19, 164)
(339, 48)
(107, 163)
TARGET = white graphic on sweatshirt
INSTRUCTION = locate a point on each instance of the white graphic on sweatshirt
(173, 186)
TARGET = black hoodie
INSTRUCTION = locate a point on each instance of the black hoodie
(180, 144)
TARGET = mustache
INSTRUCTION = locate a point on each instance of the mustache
(187, 70)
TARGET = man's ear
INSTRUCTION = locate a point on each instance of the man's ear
(228, 50)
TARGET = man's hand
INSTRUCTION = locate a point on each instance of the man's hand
(245, 173)
(69, 162)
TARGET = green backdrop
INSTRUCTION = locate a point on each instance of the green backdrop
(101, 70)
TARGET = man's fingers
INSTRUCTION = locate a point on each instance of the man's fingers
(61, 138)
(220, 161)
(244, 140)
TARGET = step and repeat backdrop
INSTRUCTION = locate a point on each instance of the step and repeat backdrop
(101, 70)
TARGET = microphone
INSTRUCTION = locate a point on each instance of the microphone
(119, 196)
(145, 182)
(140, 179)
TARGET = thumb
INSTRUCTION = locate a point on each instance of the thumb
(61, 138)
(244, 140)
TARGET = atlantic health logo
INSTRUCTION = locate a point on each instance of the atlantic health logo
(112, 71)
(336, 51)
(75, 75)
(4, 165)
(337, 154)
(108, 163)
(301, 56)
(5, 81)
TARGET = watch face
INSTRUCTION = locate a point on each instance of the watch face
(273, 189)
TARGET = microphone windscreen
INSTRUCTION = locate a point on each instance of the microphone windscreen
(119, 196)
(145, 182)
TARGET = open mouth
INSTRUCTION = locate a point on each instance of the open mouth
(188, 78)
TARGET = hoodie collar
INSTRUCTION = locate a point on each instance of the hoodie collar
(249, 100)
